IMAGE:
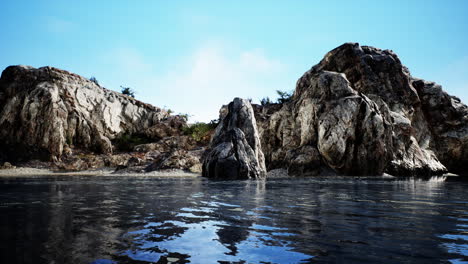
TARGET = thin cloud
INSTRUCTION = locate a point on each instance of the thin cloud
(212, 77)
(58, 25)
(199, 84)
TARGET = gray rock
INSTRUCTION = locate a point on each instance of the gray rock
(44, 111)
(235, 151)
(177, 159)
(380, 75)
(328, 127)
(447, 117)
(359, 112)
(7, 166)
(167, 144)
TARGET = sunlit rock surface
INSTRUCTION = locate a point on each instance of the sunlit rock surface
(235, 151)
(357, 112)
(44, 111)
(360, 112)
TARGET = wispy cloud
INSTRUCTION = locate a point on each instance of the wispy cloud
(58, 25)
(200, 83)
(126, 59)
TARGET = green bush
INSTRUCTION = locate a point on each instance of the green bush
(126, 142)
(265, 101)
(283, 96)
(127, 91)
(184, 116)
(200, 131)
(94, 80)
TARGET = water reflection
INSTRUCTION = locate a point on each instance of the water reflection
(151, 220)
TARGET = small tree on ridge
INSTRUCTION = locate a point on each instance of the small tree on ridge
(127, 91)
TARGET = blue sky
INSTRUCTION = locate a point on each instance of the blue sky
(194, 56)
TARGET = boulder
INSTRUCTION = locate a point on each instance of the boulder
(171, 126)
(235, 150)
(7, 166)
(177, 159)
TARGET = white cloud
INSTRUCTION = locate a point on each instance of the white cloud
(200, 83)
(257, 61)
(58, 25)
(128, 59)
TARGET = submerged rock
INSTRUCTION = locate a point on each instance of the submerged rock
(235, 151)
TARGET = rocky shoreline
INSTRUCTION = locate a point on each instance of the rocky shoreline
(26, 172)
(357, 112)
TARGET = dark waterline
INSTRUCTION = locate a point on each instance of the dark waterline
(193, 220)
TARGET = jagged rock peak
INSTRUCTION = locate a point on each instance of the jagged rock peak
(235, 151)
(360, 101)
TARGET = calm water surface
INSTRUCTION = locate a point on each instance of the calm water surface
(193, 220)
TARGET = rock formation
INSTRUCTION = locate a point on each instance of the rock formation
(235, 151)
(44, 111)
(359, 112)
(177, 159)
(447, 117)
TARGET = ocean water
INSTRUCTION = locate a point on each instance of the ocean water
(193, 220)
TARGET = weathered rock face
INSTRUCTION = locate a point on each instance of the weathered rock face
(330, 127)
(177, 159)
(170, 126)
(359, 112)
(235, 151)
(380, 75)
(45, 111)
(167, 144)
(448, 120)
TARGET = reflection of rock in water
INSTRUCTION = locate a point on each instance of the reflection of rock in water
(197, 221)
(229, 236)
(77, 231)
(82, 222)
(174, 258)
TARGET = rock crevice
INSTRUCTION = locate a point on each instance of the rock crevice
(46, 110)
(360, 112)
(235, 151)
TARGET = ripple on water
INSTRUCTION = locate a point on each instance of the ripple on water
(304, 220)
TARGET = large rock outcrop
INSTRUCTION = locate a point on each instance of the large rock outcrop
(235, 151)
(447, 117)
(44, 111)
(359, 112)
